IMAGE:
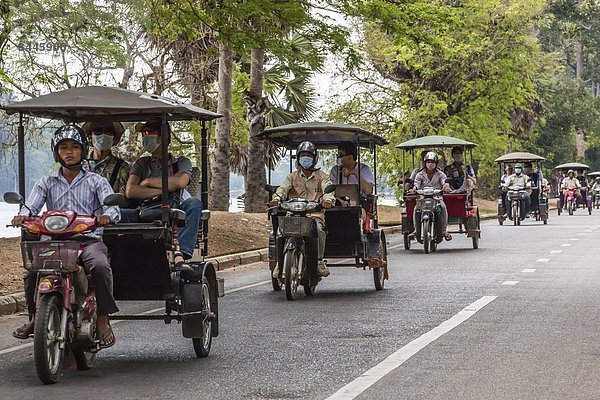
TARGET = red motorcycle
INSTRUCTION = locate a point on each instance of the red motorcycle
(570, 200)
(65, 315)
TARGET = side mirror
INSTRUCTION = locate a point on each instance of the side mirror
(271, 188)
(330, 189)
(13, 198)
(115, 199)
(408, 180)
(205, 216)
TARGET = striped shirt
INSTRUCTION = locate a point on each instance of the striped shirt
(84, 195)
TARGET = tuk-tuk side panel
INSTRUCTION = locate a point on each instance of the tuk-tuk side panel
(343, 231)
(193, 302)
(140, 268)
(373, 243)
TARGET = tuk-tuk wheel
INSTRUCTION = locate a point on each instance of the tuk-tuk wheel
(406, 241)
(309, 290)
(202, 345)
(475, 242)
(379, 273)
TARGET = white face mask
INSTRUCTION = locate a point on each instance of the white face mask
(102, 142)
(150, 143)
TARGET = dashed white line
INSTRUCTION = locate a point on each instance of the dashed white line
(581, 234)
(373, 375)
(556, 252)
(573, 239)
(566, 245)
(529, 270)
(510, 283)
(542, 260)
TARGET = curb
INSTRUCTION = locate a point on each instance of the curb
(12, 303)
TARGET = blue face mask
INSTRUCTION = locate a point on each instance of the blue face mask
(102, 142)
(306, 162)
(150, 143)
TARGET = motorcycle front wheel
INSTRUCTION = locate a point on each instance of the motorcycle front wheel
(202, 345)
(515, 214)
(291, 261)
(47, 352)
(426, 235)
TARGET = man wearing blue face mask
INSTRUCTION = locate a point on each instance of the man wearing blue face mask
(104, 135)
(145, 183)
(308, 182)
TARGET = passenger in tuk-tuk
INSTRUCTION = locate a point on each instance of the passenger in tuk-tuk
(308, 182)
(431, 176)
(508, 171)
(535, 178)
(72, 188)
(346, 170)
(463, 176)
(145, 183)
(104, 135)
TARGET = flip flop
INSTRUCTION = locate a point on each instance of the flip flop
(24, 332)
(447, 237)
(104, 335)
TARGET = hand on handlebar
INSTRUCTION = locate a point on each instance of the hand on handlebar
(103, 220)
(273, 202)
(18, 220)
(327, 204)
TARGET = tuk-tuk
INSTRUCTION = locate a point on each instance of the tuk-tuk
(595, 190)
(539, 199)
(353, 233)
(142, 254)
(462, 213)
(572, 202)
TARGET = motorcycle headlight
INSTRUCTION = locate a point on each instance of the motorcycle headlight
(294, 206)
(56, 223)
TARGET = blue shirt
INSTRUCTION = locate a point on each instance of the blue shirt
(84, 195)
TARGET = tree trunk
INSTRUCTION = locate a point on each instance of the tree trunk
(580, 143)
(219, 184)
(255, 179)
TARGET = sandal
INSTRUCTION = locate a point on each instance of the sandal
(107, 334)
(24, 332)
(447, 236)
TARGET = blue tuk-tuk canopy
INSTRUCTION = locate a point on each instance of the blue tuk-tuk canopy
(321, 134)
(435, 141)
(93, 102)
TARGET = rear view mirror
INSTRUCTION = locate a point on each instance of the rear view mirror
(115, 199)
(205, 216)
(13, 198)
(271, 188)
(330, 189)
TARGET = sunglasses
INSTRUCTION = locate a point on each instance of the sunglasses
(147, 132)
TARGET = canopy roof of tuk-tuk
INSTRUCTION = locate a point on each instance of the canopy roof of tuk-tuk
(94, 102)
(597, 173)
(574, 165)
(435, 141)
(321, 134)
(519, 156)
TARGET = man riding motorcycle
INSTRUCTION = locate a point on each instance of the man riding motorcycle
(522, 180)
(73, 188)
(431, 176)
(570, 182)
(307, 182)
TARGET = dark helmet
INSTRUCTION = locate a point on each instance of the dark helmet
(307, 147)
(155, 125)
(69, 132)
(116, 129)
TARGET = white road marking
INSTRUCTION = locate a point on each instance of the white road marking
(26, 345)
(393, 361)
(529, 270)
(588, 230)
(543, 260)
(573, 239)
(556, 252)
(566, 245)
(510, 283)
(581, 234)
(396, 246)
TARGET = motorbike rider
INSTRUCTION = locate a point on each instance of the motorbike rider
(522, 180)
(308, 182)
(104, 135)
(346, 170)
(145, 182)
(73, 188)
(570, 182)
(595, 188)
(431, 176)
(463, 176)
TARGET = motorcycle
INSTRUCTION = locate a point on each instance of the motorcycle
(516, 197)
(570, 200)
(427, 208)
(66, 314)
(597, 197)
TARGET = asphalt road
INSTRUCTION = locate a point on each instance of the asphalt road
(511, 320)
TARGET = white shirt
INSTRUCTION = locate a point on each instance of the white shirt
(365, 173)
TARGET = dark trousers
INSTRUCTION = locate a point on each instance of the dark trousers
(94, 256)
